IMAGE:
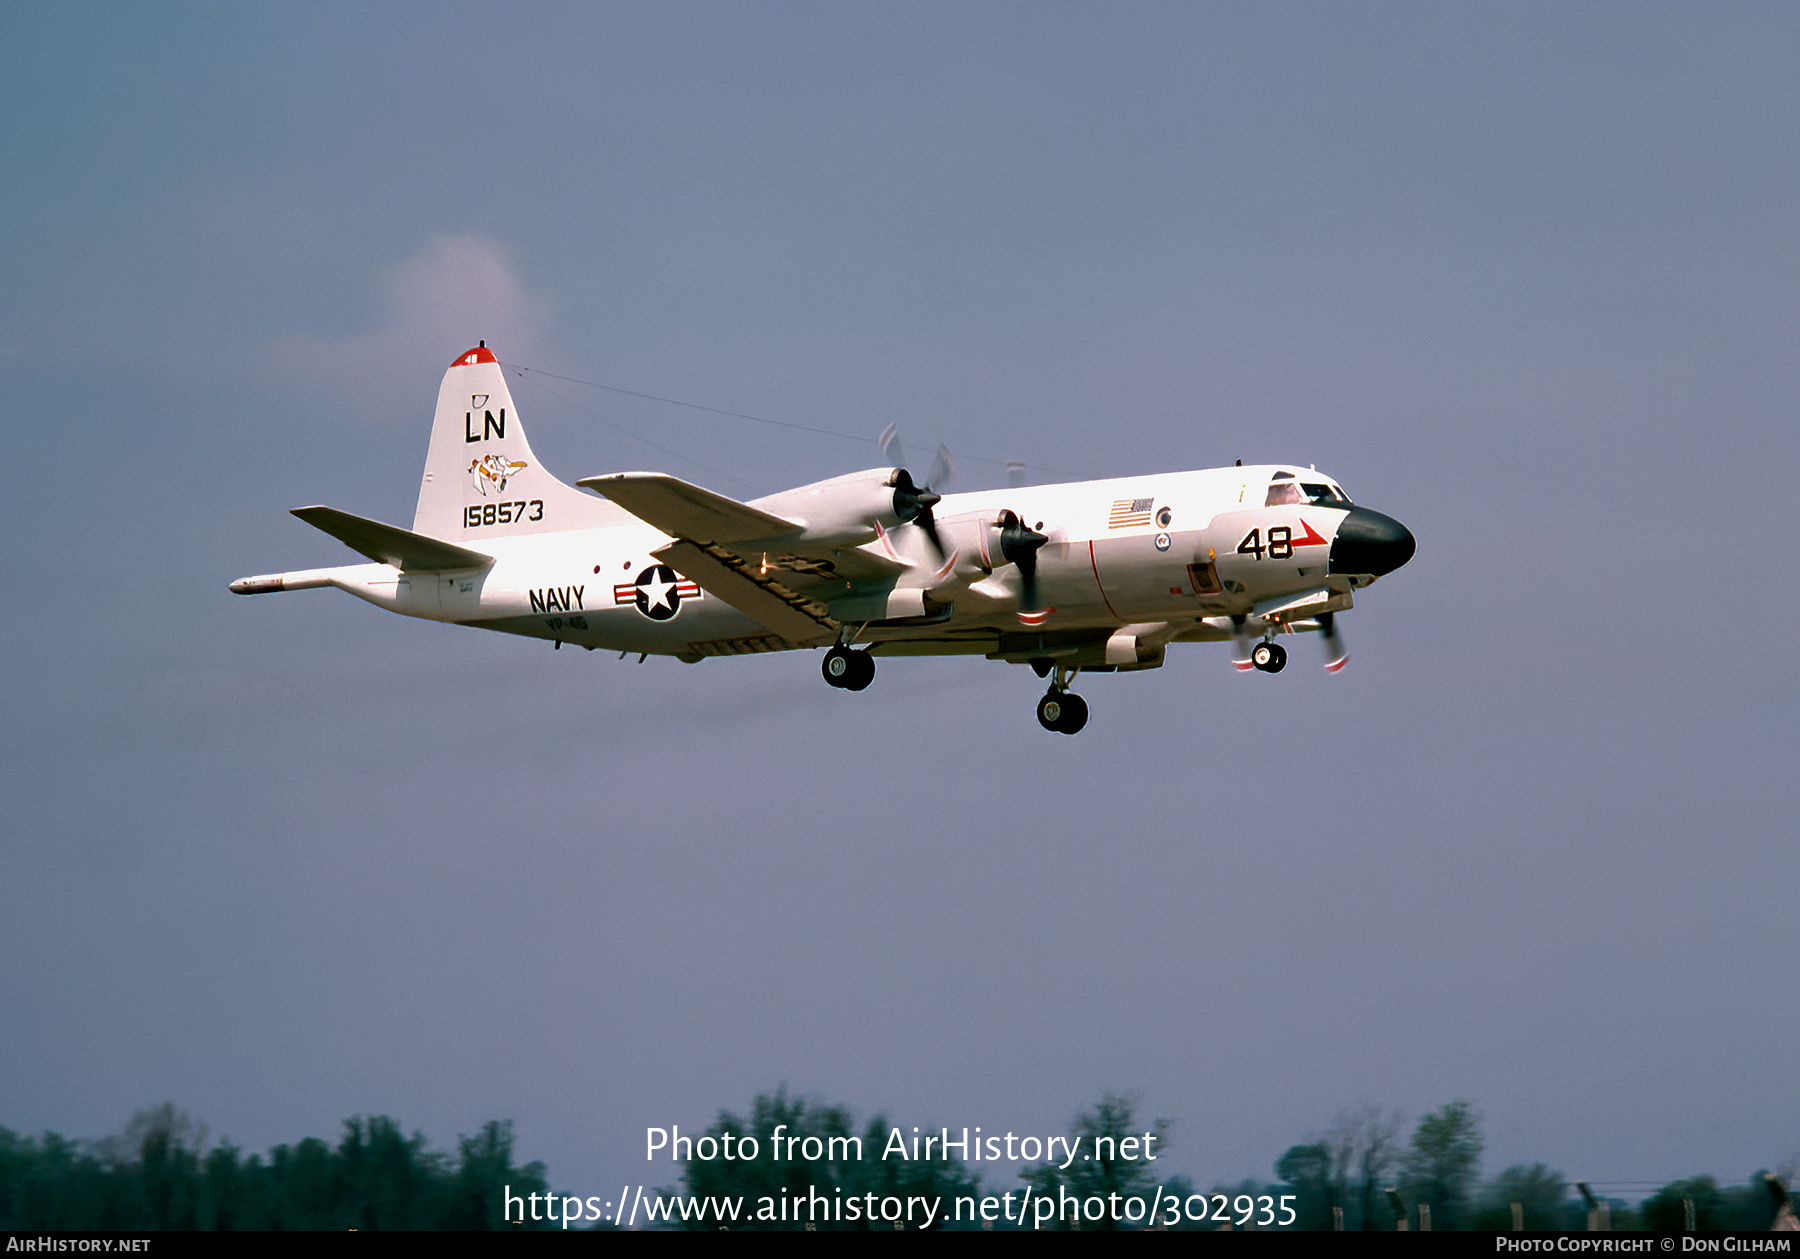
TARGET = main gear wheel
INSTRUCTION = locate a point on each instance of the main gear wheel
(1062, 711)
(848, 670)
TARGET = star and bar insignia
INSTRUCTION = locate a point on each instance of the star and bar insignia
(658, 592)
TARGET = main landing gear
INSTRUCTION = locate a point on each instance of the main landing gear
(1061, 710)
(848, 670)
(1269, 657)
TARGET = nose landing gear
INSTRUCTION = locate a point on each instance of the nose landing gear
(1269, 657)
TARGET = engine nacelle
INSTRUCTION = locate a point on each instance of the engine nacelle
(845, 510)
(1136, 647)
(979, 538)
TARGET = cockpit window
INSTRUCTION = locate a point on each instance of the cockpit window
(1323, 494)
(1283, 492)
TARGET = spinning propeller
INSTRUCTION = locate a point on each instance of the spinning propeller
(1336, 654)
(913, 504)
(943, 469)
(1019, 546)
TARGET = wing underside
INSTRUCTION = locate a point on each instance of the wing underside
(759, 563)
(798, 619)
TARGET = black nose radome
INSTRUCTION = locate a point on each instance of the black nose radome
(1369, 542)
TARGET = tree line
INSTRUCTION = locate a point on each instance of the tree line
(1433, 1181)
(1364, 1173)
(160, 1174)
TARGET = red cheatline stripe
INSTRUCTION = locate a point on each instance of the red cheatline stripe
(1098, 585)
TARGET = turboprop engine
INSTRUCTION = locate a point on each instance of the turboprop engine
(984, 544)
(846, 510)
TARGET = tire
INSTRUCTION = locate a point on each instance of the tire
(1263, 655)
(1074, 715)
(1062, 712)
(1277, 658)
(839, 667)
(862, 671)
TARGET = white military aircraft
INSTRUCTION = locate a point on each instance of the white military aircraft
(1095, 576)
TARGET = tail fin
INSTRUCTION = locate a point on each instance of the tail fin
(481, 479)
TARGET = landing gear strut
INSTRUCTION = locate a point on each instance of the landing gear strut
(848, 670)
(1269, 657)
(1061, 710)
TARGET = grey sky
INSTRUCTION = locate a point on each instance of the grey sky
(1523, 276)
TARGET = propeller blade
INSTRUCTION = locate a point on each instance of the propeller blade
(1028, 593)
(1336, 654)
(943, 467)
(1015, 472)
(891, 451)
(1245, 642)
(1019, 545)
(913, 505)
(926, 521)
(943, 470)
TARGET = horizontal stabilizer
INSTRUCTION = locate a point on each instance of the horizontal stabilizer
(682, 510)
(389, 544)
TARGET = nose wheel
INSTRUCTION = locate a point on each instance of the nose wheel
(1269, 657)
(848, 670)
(1062, 711)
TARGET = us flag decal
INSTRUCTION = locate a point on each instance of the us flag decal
(1127, 512)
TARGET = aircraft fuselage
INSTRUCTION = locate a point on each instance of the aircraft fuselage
(1088, 575)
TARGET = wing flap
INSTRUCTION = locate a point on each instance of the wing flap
(390, 544)
(800, 620)
(803, 566)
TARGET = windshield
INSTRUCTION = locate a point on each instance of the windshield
(1284, 489)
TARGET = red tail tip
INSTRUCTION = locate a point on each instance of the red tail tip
(480, 354)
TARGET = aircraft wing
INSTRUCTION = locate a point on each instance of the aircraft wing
(740, 583)
(767, 541)
(389, 544)
(682, 510)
